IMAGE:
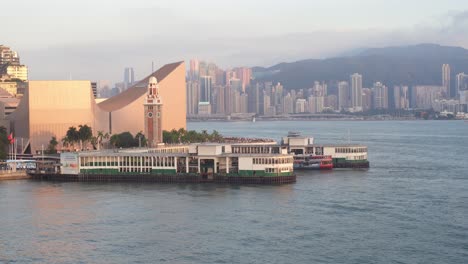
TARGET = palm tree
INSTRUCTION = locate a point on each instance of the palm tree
(100, 137)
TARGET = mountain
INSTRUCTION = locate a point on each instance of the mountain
(408, 65)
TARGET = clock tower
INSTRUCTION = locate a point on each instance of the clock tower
(153, 113)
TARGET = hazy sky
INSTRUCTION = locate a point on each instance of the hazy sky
(96, 39)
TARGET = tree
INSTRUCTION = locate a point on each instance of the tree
(4, 143)
(72, 136)
(52, 147)
(100, 138)
(123, 140)
(140, 139)
(85, 134)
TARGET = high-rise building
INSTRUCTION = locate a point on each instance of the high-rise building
(94, 88)
(220, 99)
(424, 96)
(356, 92)
(8, 56)
(301, 105)
(194, 70)
(193, 97)
(205, 89)
(462, 87)
(366, 99)
(129, 77)
(343, 95)
(379, 96)
(446, 81)
(243, 103)
(244, 74)
(331, 102)
(401, 97)
(288, 107)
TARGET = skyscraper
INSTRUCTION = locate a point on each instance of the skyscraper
(401, 97)
(446, 81)
(205, 89)
(194, 69)
(129, 77)
(379, 96)
(356, 92)
(462, 87)
(343, 95)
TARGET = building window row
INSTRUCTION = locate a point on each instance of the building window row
(351, 150)
(127, 161)
(272, 160)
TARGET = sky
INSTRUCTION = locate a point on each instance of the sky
(97, 39)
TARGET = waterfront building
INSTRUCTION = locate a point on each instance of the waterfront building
(204, 108)
(423, 96)
(446, 81)
(301, 105)
(49, 108)
(343, 95)
(265, 162)
(356, 92)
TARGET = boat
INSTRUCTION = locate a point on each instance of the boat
(311, 162)
(307, 154)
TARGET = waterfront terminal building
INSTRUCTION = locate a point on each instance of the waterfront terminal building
(206, 162)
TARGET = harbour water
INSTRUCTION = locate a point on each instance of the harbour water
(411, 206)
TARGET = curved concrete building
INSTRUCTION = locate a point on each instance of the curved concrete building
(49, 108)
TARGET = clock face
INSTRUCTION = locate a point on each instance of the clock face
(150, 114)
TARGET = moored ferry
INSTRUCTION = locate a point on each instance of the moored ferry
(265, 163)
(311, 162)
(342, 155)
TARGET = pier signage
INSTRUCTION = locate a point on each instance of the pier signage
(69, 163)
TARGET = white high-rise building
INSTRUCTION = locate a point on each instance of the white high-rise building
(356, 92)
(401, 97)
(446, 80)
(379, 96)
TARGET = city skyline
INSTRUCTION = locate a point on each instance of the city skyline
(91, 33)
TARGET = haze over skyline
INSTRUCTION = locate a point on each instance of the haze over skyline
(98, 39)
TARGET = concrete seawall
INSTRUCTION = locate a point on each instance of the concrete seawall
(18, 175)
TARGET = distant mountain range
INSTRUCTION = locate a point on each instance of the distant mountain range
(408, 65)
